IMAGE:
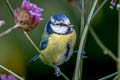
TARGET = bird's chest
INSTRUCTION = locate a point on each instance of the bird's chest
(57, 42)
(56, 48)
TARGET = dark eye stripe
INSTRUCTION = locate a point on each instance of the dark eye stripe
(61, 24)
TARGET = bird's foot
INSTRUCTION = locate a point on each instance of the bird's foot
(82, 52)
(57, 71)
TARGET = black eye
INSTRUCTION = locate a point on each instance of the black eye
(21, 21)
(61, 24)
(57, 24)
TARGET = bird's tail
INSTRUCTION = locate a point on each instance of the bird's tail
(34, 58)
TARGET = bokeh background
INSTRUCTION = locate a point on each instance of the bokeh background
(16, 51)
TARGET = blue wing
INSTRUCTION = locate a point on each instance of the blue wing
(44, 44)
(67, 50)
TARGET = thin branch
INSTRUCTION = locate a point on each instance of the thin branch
(109, 76)
(10, 7)
(99, 8)
(82, 40)
(115, 78)
(9, 30)
(101, 45)
(11, 72)
(118, 64)
(81, 32)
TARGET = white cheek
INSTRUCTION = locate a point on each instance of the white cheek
(59, 29)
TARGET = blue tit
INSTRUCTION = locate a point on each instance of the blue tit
(58, 40)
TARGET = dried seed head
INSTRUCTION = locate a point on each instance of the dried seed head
(28, 16)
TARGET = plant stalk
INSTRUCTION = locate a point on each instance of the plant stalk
(83, 39)
(109, 76)
(99, 8)
(9, 30)
(81, 32)
(101, 45)
(10, 7)
(4, 68)
(118, 64)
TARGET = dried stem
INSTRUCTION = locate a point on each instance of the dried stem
(109, 76)
(115, 78)
(101, 45)
(98, 9)
(81, 6)
(118, 65)
(10, 7)
(81, 32)
(11, 72)
(9, 30)
(83, 39)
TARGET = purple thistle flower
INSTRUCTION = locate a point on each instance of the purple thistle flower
(3, 77)
(10, 77)
(28, 16)
(113, 3)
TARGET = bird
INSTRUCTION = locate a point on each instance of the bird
(58, 41)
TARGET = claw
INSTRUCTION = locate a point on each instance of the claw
(83, 52)
(57, 72)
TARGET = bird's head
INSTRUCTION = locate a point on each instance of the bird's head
(60, 24)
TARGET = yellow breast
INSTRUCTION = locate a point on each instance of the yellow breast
(56, 47)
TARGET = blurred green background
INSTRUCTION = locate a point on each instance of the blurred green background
(16, 51)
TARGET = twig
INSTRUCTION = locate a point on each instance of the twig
(118, 65)
(82, 40)
(81, 32)
(109, 76)
(99, 8)
(81, 7)
(115, 78)
(101, 45)
(10, 7)
(82, 19)
(20, 78)
(9, 30)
